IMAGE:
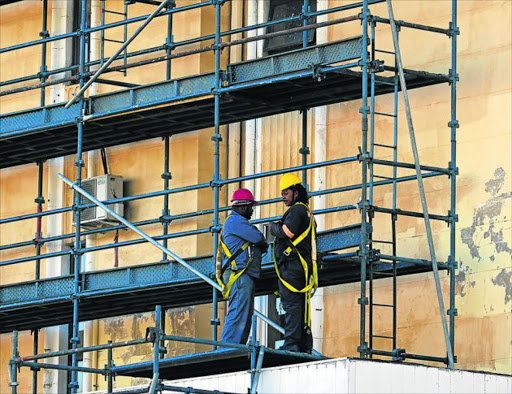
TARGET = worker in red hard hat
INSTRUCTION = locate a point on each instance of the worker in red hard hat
(239, 266)
(295, 264)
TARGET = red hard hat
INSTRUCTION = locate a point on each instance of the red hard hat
(243, 197)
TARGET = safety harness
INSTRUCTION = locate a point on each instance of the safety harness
(231, 263)
(311, 279)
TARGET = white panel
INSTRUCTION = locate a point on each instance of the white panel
(432, 376)
(352, 376)
(490, 383)
(503, 384)
(478, 382)
(420, 380)
(460, 382)
(341, 376)
(397, 383)
(355, 376)
(444, 381)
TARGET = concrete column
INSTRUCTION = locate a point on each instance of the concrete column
(320, 154)
(61, 51)
(90, 381)
(56, 338)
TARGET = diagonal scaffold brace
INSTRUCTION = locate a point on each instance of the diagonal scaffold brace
(420, 185)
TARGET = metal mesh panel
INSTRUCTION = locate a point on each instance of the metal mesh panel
(195, 85)
(151, 274)
(37, 118)
(107, 279)
(155, 93)
(111, 102)
(339, 239)
(55, 287)
(17, 293)
(297, 60)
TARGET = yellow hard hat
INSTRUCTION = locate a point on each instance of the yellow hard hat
(289, 180)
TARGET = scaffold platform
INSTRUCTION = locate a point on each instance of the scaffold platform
(295, 80)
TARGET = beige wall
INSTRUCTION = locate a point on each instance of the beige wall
(483, 239)
(483, 190)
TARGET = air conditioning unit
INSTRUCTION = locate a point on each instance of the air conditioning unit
(103, 187)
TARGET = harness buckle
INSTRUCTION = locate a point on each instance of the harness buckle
(286, 253)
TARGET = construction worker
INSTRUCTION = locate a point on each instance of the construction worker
(239, 265)
(295, 263)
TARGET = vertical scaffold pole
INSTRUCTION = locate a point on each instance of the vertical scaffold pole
(305, 10)
(166, 176)
(370, 186)
(13, 368)
(156, 348)
(170, 40)
(78, 201)
(304, 150)
(363, 247)
(454, 124)
(110, 364)
(394, 217)
(39, 201)
(217, 138)
(44, 34)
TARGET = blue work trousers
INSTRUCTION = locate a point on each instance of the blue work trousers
(237, 325)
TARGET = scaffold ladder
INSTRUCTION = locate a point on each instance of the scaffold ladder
(373, 274)
(394, 32)
(124, 14)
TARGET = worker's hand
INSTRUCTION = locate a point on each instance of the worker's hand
(218, 268)
(276, 229)
(263, 246)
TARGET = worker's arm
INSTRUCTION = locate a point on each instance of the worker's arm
(281, 230)
(250, 233)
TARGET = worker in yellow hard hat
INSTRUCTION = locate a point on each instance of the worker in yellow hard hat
(295, 263)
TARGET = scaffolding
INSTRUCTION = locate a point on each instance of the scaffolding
(345, 70)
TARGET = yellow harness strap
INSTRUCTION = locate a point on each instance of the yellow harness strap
(312, 279)
(233, 276)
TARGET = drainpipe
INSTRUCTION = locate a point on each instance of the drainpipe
(250, 125)
(258, 13)
(90, 381)
(56, 338)
(320, 154)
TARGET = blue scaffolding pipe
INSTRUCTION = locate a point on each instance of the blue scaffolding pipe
(83, 88)
(174, 11)
(153, 49)
(207, 212)
(454, 124)
(184, 188)
(103, 27)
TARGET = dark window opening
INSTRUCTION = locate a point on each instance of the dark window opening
(279, 9)
(77, 21)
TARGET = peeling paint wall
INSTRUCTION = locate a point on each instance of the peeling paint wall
(483, 330)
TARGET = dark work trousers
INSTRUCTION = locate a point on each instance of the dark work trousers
(237, 325)
(295, 336)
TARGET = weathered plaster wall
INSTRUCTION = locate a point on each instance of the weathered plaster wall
(483, 194)
(483, 327)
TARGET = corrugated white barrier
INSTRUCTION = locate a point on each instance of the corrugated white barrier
(344, 375)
